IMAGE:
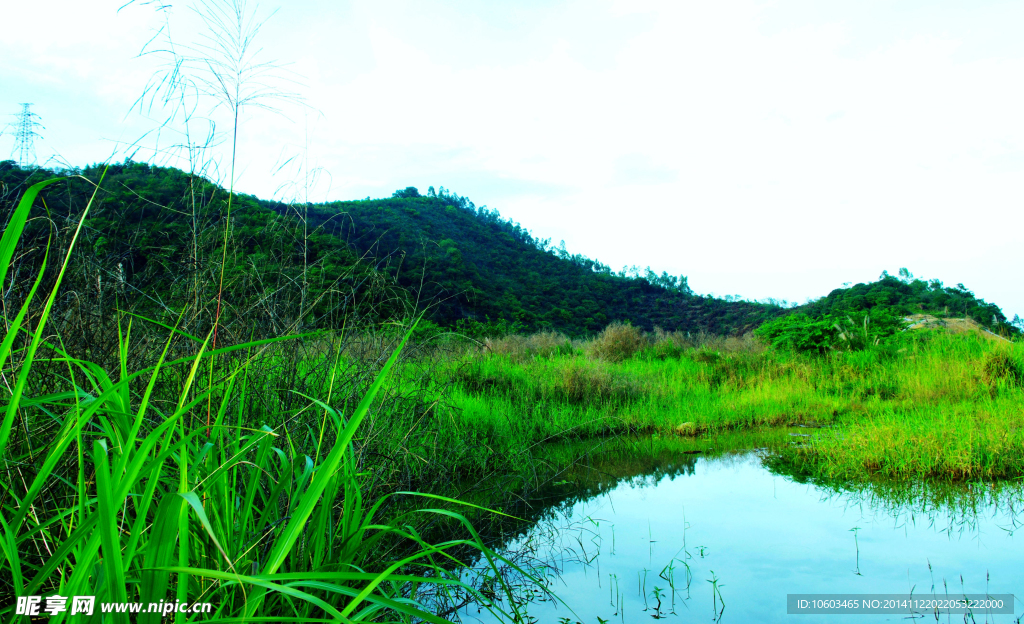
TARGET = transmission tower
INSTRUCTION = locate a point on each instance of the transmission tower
(24, 136)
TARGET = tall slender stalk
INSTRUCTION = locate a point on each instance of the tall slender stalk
(224, 67)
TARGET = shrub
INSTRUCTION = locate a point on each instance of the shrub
(617, 342)
(797, 332)
(548, 344)
(800, 332)
(667, 345)
(1001, 366)
(746, 343)
(665, 349)
(595, 383)
(706, 356)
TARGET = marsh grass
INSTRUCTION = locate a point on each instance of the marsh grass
(523, 348)
(961, 442)
(674, 344)
(930, 404)
(116, 485)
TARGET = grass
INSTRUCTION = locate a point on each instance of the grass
(116, 485)
(928, 404)
(959, 441)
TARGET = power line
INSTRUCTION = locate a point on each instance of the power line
(24, 136)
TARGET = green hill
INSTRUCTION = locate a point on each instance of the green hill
(154, 237)
(867, 314)
(905, 295)
(475, 265)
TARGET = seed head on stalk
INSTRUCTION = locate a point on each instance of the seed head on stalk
(222, 68)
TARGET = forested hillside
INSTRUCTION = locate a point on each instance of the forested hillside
(154, 239)
(476, 265)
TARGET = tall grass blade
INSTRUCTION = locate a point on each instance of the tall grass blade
(108, 529)
(9, 241)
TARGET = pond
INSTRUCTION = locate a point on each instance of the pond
(722, 538)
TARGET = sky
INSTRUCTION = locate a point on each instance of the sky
(761, 148)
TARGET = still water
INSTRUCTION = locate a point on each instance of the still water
(724, 539)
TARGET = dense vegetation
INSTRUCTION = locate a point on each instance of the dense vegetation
(904, 295)
(479, 266)
(868, 314)
(153, 241)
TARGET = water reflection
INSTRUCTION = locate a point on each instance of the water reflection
(954, 508)
(663, 532)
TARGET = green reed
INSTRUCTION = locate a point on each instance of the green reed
(115, 486)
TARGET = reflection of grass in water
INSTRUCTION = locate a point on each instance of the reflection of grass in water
(617, 598)
(559, 542)
(582, 470)
(669, 574)
(599, 463)
(716, 595)
(856, 546)
(555, 540)
(641, 585)
(958, 504)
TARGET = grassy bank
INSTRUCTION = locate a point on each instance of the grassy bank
(259, 477)
(928, 403)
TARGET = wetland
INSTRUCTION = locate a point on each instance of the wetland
(658, 530)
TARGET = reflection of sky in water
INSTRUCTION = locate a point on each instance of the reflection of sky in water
(765, 536)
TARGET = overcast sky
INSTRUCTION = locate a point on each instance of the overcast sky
(766, 149)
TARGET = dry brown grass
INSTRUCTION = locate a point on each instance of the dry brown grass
(952, 325)
(521, 348)
(617, 342)
(672, 344)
